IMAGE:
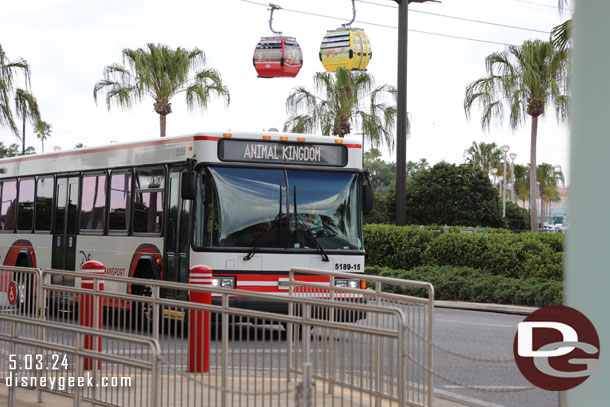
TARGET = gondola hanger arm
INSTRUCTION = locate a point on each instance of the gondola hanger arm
(273, 7)
(347, 25)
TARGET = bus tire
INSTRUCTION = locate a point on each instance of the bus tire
(142, 312)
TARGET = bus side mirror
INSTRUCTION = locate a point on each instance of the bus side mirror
(189, 185)
(369, 198)
(368, 195)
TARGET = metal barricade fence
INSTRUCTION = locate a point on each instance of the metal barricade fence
(360, 289)
(53, 358)
(18, 287)
(252, 357)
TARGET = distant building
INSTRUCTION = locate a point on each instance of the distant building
(557, 212)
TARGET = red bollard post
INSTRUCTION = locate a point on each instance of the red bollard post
(199, 322)
(88, 318)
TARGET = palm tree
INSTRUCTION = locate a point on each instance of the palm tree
(161, 73)
(484, 156)
(423, 164)
(526, 78)
(549, 177)
(26, 107)
(8, 71)
(349, 100)
(522, 183)
(43, 131)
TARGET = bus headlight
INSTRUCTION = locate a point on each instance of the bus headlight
(347, 283)
(223, 282)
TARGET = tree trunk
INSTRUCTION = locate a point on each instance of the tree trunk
(542, 210)
(23, 136)
(162, 121)
(533, 203)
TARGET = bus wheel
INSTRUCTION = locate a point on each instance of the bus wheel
(142, 312)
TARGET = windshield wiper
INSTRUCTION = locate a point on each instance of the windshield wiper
(306, 229)
(276, 221)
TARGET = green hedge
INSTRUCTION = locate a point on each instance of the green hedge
(468, 284)
(523, 255)
(395, 247)
(517, 255)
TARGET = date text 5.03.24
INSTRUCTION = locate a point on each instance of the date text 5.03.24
(37, 362)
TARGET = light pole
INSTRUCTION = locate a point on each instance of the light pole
(512, 175)
(505, 149)
(500, 186)
(401, 109)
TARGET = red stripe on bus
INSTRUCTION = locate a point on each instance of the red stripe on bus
(113, 148)
(353, 145)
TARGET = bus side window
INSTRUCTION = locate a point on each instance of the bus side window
(120, 202)
(93, 202)
(148, 202)
(44, 203)
(25, 210)
(8, 210)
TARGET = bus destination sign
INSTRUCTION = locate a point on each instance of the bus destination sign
(282, 152)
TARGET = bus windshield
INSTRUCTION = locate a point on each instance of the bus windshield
(277, 208)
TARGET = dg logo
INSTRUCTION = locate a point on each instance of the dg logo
(556, 348)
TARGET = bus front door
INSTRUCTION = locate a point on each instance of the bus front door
(63, 256)
(177, 234)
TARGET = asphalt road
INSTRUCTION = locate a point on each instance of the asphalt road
(482, 335)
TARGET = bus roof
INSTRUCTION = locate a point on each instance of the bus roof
(155, 151)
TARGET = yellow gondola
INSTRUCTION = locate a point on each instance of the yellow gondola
(346, 47)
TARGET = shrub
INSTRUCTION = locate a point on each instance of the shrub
(450, 249)
(384, 209)
(510, 255)
(538, 255)
(517, 218)
(395, 246)
(468, 284)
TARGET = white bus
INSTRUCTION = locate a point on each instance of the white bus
(248, 205)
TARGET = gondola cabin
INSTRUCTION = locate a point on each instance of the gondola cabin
(277, 57)
(349, 48)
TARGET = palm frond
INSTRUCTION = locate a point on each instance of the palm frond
(26, 106)
(205, 83)
(492, 110)
(300, 99)
(8, 72)
(561, 35)
(300, 124)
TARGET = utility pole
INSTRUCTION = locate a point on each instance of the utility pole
(401, 109)
(401, 113)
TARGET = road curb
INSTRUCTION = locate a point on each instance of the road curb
(462, 401)
(473, 306)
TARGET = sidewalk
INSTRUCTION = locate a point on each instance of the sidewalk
(27, 398)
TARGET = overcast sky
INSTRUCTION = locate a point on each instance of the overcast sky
(68, 42)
